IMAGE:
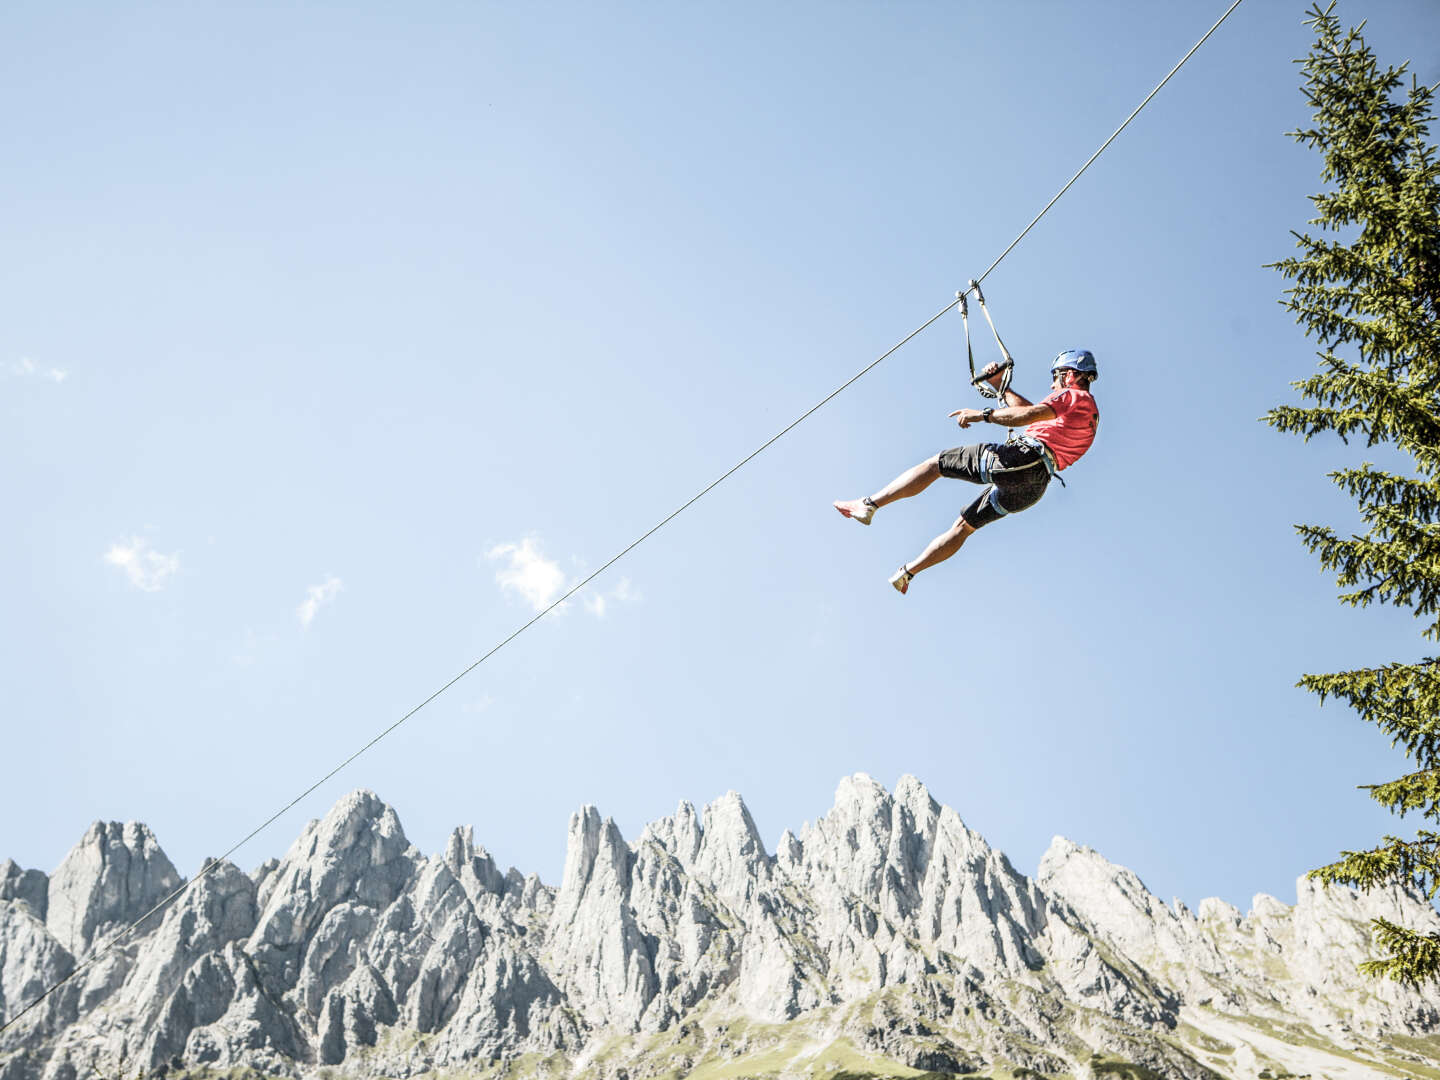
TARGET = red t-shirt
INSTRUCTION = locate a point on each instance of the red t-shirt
(1073, 430)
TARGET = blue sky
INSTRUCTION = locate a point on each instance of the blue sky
(335, 337)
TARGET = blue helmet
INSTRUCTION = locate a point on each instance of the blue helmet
(1081, 360)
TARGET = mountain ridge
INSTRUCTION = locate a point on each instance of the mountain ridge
(886, 936)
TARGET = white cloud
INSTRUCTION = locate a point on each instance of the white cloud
(537, 580)
(146, 569)
(315, 596)
(27, 368)
(599, 603)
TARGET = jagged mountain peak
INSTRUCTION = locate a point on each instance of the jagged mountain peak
(888, 927)
(1213, 909)
(356, 858)
(356, 815)
(1075, 871)
(114, 874)
(592, 842)
(722, 832)
(360, 832)
(730, 842)
(679, 834)
(30, 887)
(474, 867)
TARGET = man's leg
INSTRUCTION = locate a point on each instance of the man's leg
(937, 551)
(942, 547)
(910, 482)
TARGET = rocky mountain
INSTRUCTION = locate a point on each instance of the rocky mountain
(887, 939)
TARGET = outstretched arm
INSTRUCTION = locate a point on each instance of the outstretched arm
(1010, 416)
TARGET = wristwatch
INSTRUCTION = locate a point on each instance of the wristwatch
(986, 415)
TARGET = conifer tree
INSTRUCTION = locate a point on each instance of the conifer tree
(1366, 286)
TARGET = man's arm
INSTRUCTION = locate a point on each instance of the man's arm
(1010, 416)
(1016, 400)
(1013, 398)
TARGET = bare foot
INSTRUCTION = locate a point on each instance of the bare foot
(856, 509)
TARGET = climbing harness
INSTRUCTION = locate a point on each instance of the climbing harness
(1046, 456)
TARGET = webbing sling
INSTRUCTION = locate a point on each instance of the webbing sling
(1007, 367)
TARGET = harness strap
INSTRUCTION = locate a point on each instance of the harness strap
(1045, 455)
(1009, 360)
(1007, 368)
(988, 475)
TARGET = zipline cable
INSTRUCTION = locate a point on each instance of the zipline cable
(212, 864)
(1103, 146)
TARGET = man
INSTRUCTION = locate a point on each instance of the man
(1061, 428)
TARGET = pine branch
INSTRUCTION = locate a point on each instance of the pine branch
(1415, 863)
(1402, 700)
(1393, 572)
(1413, 957)
(1416, 501)
(1418, 791)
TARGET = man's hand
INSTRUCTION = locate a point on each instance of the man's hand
(991, 372)
(966, 417)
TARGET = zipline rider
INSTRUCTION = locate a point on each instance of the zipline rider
(1059, 429)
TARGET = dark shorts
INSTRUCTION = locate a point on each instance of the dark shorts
(1016, 475)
